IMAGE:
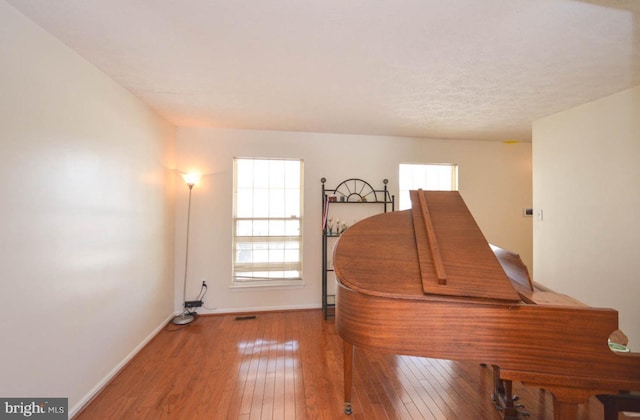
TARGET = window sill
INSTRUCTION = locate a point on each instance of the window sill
(272, 285)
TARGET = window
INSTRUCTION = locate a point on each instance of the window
(267, 222)
(440, 177)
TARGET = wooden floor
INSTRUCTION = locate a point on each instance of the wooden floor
(288, 365)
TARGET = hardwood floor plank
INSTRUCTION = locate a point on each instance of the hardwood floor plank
(288, 365)
(429, 394)
(427, 407)
(269, 380)
(294, 385)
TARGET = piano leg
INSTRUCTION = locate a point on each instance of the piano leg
(348, 375)
(566, 401)
(564, 410)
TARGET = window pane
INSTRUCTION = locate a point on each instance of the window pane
(276, 255)
(276, 174)
(276, 203)
(243, 253)
(244, 228)
(261, 203)
(292, 255)
(440, 177)
(260, 255)
(292, 203)
(292, 179)
(244, 203)
(261, 228)
(292, 227)
(276, 227)
(244, 173)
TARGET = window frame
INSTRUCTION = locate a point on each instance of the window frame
(258, 222)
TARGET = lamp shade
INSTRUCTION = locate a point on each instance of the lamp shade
(191, 179)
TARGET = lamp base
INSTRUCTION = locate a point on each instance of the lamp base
(183, 319)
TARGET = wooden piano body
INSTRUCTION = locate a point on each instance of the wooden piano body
(425, 282)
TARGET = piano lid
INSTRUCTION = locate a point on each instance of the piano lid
(453, 255)
(386, 255)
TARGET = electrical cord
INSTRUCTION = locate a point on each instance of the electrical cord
(203, 294)
(170, 327)
(203, 291)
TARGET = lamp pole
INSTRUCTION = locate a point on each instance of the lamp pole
(186, 317)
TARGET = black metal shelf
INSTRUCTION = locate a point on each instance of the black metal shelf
(349, 191)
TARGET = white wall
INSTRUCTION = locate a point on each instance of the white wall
(586, 177)
(495, 181)
(86, 238)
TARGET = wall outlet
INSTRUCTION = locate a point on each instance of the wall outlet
(538, 214)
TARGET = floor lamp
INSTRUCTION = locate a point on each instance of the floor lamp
(186, 317)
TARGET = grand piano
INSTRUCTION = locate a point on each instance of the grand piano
(425, 282)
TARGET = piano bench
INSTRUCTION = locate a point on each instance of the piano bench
(613, 404)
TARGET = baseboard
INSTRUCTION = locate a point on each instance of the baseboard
(114, 372)
(258, 309)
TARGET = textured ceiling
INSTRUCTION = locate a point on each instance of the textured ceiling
(464, 69)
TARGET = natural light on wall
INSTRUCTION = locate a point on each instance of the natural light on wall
(439, 177)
